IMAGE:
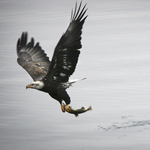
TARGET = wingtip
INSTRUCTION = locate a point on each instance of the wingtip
(22, 41)
(79, 12)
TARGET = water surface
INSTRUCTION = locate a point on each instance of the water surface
(115, 58)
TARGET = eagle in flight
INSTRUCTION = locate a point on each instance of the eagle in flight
(52, 76)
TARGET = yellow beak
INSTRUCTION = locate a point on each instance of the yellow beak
(29, 86)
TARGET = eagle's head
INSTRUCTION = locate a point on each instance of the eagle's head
(36, 85)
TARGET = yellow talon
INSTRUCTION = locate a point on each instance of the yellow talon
(68, 108)
(63, 107)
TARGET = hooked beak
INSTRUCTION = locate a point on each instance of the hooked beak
(29, 86)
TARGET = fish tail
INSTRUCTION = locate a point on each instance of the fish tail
(89, 108)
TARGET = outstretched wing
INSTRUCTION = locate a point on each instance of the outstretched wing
(32, 58)
(66, 53)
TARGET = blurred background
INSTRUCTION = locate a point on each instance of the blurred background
(115, 58)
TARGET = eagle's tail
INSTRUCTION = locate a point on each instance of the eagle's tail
(69, 83)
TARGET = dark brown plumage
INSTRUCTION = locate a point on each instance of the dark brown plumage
(52, 77)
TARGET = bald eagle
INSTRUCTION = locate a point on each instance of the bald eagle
(52, 76)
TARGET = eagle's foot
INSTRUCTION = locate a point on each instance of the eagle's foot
(68, 109)
(63, 107)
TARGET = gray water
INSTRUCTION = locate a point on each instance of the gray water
(115, 58)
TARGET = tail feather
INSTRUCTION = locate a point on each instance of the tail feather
(69, 83)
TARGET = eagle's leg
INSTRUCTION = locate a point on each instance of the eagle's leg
(65, 100)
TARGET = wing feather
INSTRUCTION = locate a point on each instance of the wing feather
(32, 58)
(66, 53)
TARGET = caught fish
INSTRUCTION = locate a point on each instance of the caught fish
(76, 112)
